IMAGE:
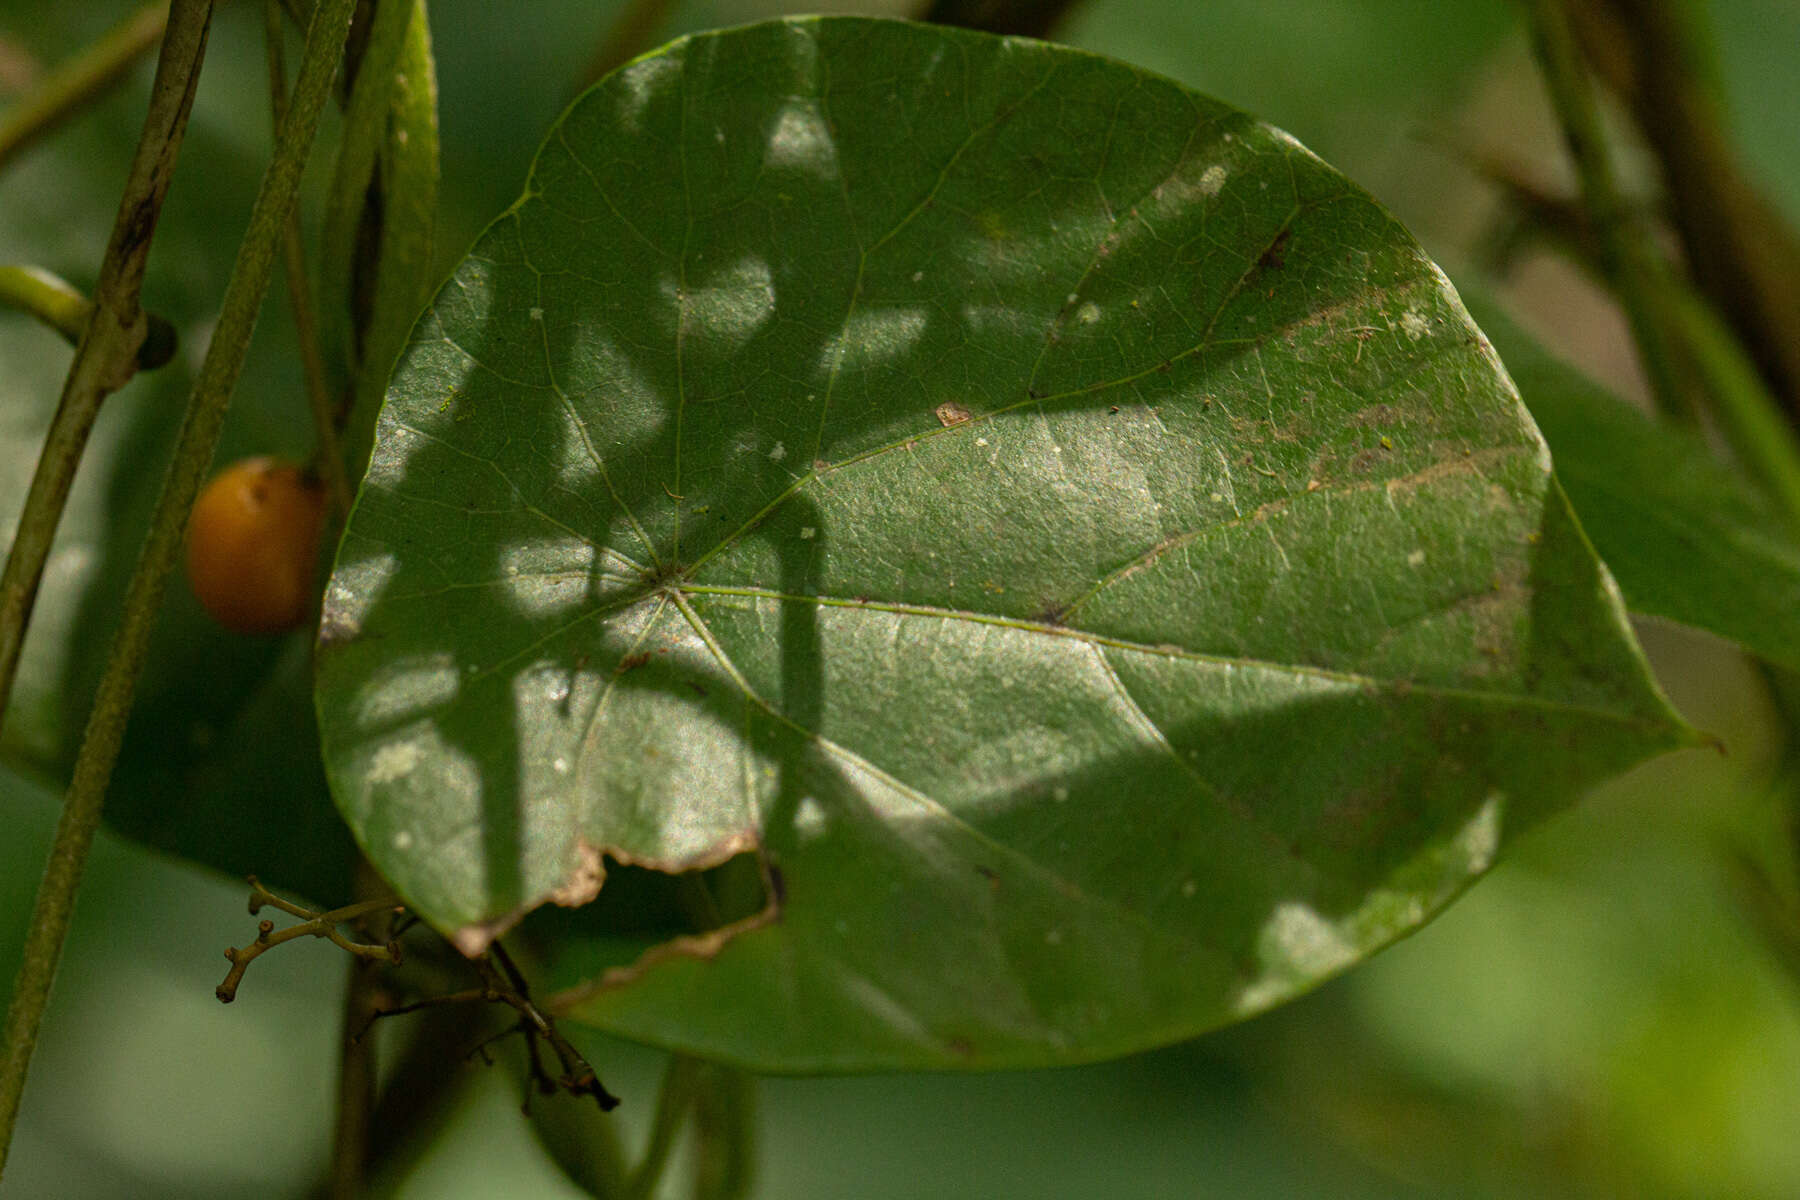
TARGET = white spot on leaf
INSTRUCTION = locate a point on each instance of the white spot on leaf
(549, 576)
(1479, 840)
(802, 140)
(1296, 947)
(405, 688)
(809, 818)
(732, 304)
(873, 337)
(396, 760)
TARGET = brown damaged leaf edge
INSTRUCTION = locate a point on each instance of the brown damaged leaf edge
(702, 946)
(582, 886)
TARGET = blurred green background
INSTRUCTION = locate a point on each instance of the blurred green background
(1599, 1017)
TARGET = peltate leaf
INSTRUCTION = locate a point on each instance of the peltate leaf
(1070, 534)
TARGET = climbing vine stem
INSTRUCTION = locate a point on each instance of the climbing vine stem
(193, 455)
(82, 79)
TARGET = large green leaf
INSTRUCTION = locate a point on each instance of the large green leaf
(1688, 539)
(1071, 534)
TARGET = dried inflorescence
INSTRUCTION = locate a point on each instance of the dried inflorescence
(501, 982)
(313, 924)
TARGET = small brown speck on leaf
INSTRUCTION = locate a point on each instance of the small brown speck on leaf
(1275, 257)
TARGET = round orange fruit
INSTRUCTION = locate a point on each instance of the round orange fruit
(253, 543)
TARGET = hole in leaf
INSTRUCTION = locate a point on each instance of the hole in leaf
(640, 908)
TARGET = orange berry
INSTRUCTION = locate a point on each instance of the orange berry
(253, 544)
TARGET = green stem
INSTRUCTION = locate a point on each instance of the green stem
(392, 280)
(1624, 247)
(103, 361)
(112, 337)
(1741, 252)
(81, 79)
(52, 300)
(724, 1133)
(673, 1100)
(1688, 351)
(329, 459)
(357, 1059)
(380, 213)
(193, 455)
(359, 152)
(60, 305)
(419, 1090)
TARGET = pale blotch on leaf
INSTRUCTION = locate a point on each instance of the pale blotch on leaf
(417, 765)
(809, 818)
(1296, 947)
(548, 577)
(801, 140)
(396, 760)
(406, 688)
(1479, 840)
(387, 461)
(647, 79)
(731, 305)
(871, 338)
(355, 588)
(1000, 320)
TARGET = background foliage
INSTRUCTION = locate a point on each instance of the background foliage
(1597, 1017)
